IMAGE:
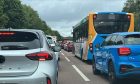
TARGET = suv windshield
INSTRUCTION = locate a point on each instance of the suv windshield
(18, 41)
(132, 39)
(110, 23)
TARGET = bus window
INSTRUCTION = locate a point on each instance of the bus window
(110, 23)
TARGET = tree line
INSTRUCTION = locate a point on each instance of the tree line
(133, 6)
(13, 14)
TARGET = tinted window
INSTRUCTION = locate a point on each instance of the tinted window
(112, 41)
(80, 33)
(132, 39)
(119, 40)
(106, 41)
(49, 40)
(18, 41)
(110, 23)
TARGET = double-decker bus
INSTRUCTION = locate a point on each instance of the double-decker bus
(95, 27)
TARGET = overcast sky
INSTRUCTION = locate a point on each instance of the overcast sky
(61, 15)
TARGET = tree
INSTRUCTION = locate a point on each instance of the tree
(3, 17)
(16, 15)
(133, 6)
(13, 9)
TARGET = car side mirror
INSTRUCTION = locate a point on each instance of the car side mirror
(97, 46)
(56, 48)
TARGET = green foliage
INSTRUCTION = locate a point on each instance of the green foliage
(3, 17)
(133, 6)
(16, 15)
(13, 9)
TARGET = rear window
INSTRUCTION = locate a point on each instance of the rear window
(18, 41)
(132, 39)
(50, 41)
(110, 23)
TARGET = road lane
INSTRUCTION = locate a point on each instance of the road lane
(86, 69)
(68, 75)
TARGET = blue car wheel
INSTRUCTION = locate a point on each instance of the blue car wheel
(95, 71)
(111, 74)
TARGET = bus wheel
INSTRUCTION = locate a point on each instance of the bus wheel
(82, 54)
(95, 71)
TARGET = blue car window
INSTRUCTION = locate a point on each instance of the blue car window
(112, 41)
(119, 40)
(132, 39)
(106, 41)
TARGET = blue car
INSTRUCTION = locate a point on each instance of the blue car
(118, 56)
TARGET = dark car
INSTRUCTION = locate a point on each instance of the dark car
(69, 46)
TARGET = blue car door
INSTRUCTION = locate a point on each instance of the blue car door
(98, 57)
(106, 52)
(100, 53)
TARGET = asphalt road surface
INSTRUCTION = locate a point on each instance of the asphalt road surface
(74, 71)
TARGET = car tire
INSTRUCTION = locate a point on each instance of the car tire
(82, 55)
(111, 74)
(68, 49)
(57, 78)
(59, 59)
(94, 69)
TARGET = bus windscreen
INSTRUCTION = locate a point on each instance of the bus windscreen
(110, 23)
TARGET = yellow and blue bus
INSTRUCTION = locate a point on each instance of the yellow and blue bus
(95, 27)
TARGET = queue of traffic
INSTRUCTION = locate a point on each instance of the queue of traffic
(36, 55)
(115, 54)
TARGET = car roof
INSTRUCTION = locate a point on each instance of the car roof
(26, 30)
(126, 33)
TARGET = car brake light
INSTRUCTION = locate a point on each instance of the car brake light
(40, 56)
(6, 33)
(48, 81)
(91, 47)
(124, 51)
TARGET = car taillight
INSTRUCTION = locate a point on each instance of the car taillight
(7, 33)
(40, 56)
(70, 45)
(91, 47)
(124, 51)
(48, 80)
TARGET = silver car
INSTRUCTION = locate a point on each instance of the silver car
(25, 58)
(54, 46)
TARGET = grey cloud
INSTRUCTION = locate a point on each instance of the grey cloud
(63, 14)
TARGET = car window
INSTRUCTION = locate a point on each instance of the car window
(19, 41)
(106, 41)
(132, 39)
(119, 40)
(112, 40)
(50, 40)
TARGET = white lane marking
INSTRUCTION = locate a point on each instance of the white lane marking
(80, 73)
(62, 53)
(67, 59)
